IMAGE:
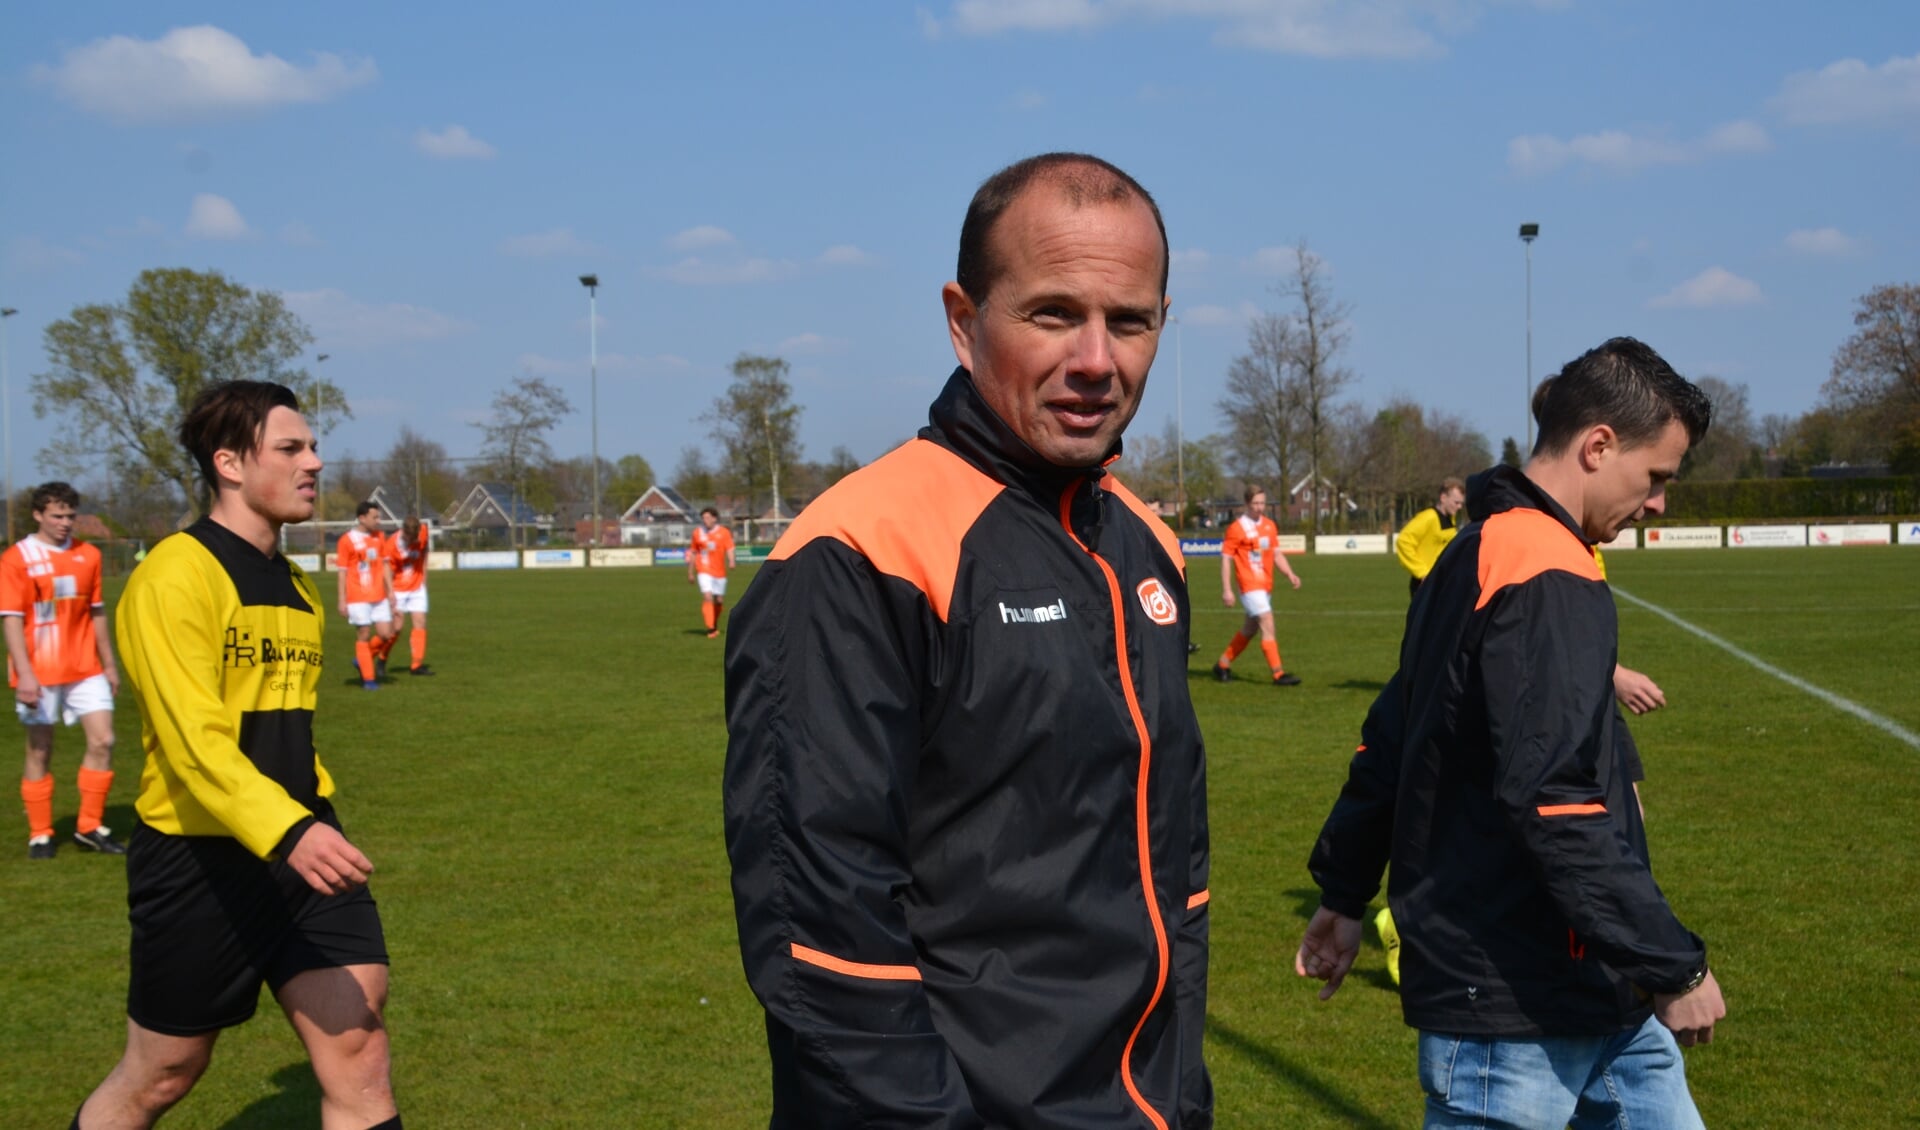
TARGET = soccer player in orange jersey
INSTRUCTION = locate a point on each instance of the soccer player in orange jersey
(1250, 554)
(61, 665)
(366, 593)
(708, 559)
(407, 557)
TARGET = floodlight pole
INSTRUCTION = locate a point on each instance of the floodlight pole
(592, 283)
(319, 496)
(1528, 233)
(1179, 425)
(6, 414)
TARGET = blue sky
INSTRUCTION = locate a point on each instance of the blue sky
(425, 181)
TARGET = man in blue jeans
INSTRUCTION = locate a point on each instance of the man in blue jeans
(1550, 981)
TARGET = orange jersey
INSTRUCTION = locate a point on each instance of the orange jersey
(709, 550)
(363, 558)
(1252, 546)
(55, 590)
(409, 561)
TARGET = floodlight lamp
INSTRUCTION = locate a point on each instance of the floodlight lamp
(7, 311)
(1529, 231)
(590, 281)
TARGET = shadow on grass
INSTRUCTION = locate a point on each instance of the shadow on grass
(1303, 1081)
(1373, 686)
(296, 1106)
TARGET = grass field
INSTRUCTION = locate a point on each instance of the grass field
(545, 817)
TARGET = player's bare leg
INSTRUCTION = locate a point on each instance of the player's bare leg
(338, 1015)
(96, 780)
(155, 1072)
(36, 792)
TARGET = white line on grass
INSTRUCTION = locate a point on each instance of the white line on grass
(1821, 693)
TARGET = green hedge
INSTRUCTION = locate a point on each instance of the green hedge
(1747, 500)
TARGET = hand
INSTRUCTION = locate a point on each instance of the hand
(1328, 949)
(27, 691)
(113, 680)
(342, 606)
(328, 863)
(1295, 578)
(1635, 691)
(1691, 1016)
(1226, 597)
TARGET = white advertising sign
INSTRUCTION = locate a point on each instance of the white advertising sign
(1871, 534)
(1628, 538)
(438, 559)
(622, 557)
(1199, 547)
(554, 558)
(307, 561)
(1683, 537)
(1747, 537)
(488, 559)
(1293, 543)
(1910, 533)
(1350, 543)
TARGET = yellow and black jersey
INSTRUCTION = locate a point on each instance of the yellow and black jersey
(222, 646)
(1422, 539)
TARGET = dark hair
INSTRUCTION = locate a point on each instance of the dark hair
(709, 510)
(364, 507)
(230, 416)
(1252, 489)
(1083, 178)
(411, 528)
(1625, 385)
(46, 494)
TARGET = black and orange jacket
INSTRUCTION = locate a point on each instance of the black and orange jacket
(1491, 774)
(965, 797)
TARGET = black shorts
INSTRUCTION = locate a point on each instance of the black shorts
(212, 922)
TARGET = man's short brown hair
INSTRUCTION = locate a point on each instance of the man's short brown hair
(1083, 178)
(1450, 484)
(230, 416)
(46, 494)
(1252, 489)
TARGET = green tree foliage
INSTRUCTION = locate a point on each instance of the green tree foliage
(631, 477)
(694, 477)
(418, 474)
(1510, 452)
(757, 425)
(123, 374)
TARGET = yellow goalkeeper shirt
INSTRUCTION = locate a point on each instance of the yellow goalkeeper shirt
(222, 646)
(1422, 539)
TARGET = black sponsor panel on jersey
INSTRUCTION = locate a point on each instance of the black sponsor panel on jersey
(259, 579)
(280, 745)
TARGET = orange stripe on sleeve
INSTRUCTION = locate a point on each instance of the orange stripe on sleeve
(1199, 898)
(855, 968)
(1571, 809)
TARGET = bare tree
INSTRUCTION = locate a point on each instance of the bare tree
(419, 472)
(1262, 407)
(1731, 448)
(757, 425)
(1876, 372)
(693, 476)
(515, 440)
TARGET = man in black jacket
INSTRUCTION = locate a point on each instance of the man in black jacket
(965, 793)
(1548, 977)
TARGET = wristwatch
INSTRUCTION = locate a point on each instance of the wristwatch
(1695, 981)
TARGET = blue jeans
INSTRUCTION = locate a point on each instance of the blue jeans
(1631, 1079)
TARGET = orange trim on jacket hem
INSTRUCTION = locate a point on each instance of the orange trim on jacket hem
(1141, 830)
(1199, 898)
(855, 968)
(1571, 809)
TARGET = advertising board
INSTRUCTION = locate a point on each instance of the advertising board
(1628, 538)
(675, 556)
(307, 561)
(439, 559)
(1749, 537)
(1199, 547)
(487, 559)
(1869, 533)
(622, 557)
(1910, 533)
(1682, 537)
(1350, 543)
(553, 558)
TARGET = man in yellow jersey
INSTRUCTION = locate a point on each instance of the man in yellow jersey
(1249, 554)
(61, 665)
(238, 874)
(1428, 532)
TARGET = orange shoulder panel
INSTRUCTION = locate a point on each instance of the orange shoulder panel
(905, 512)
(1519, 545)
(1169, 540)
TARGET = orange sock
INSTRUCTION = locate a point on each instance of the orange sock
(1235, 646)
(1271, 649)
(363, 655)
(417, 645)
(382, 648)
(709, 613)
(39, 798)
(94, 784)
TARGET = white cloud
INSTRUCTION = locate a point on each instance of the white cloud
(340, 320)
(1380, 29)
(845, 255)
(31, 253)
(1622, 152)
(1209, 315)
(452, 144)
(810, 344)
(1850, 92)
(215, 217)
(191, 73)
(1192, 259)
(1027, 100)
(1715, 286)
(694, 271)
(1283, 261)
(706, 235)
(1822, 241)
(547, 245)
(297, 234)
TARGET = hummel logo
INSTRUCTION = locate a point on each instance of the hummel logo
(1041, 615)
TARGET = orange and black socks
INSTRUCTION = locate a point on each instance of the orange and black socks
(1271, 649)
(38, 796)
(1235, 646)
(363, 656)
(417, 645)
(94, 784)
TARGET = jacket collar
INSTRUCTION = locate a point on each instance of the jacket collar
(1501, 488)
(961, 420)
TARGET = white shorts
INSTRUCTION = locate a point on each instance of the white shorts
(68, 702)
(711, 585)
(1257, 602)
(361, 615)
(413, 601)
